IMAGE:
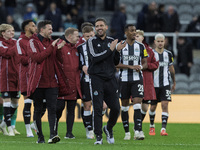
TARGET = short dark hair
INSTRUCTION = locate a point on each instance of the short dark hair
(127, 26)
(24, 23)
(101, 19)
(42, 24)
(87, 29)
(84, 24)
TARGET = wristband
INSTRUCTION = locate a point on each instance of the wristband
(141, 67)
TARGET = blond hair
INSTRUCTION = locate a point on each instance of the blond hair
(159, 35)
(4, 27)
(69, 31)
(140, 32)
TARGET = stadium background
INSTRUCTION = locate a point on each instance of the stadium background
(182, 109)
(184, 106)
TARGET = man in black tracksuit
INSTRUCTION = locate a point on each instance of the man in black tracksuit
(102, 60)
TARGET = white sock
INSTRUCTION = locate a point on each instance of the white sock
(28, 129)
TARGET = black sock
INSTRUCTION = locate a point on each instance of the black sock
(137, 119)
(143, 113)
(88, 122)
(27, 113)
(164, 119)
(125, 120)
(82, 112)
(7, 115)
(152, 117)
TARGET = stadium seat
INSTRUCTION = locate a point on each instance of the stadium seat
(181, 77)
(130, 16)
(195, 69)
(181, 91)
(140, 1)
(185, 16)
(196, 9)
(194, 85)
(188, 2)
(196, 61)
(182, 85)
(195, 2)
(184, 8)
(170, 2)
(196, 91)
(130, 9)
(138, 8)
(194, 77)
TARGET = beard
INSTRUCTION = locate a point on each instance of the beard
(101, 35)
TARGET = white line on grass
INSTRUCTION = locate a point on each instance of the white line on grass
(81, 143)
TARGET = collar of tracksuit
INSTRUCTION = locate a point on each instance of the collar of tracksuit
(40, 37)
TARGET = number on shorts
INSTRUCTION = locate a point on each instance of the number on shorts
(140, 89)
(168, 94)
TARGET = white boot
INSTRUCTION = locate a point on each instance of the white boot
(3, 128)
(10, 131)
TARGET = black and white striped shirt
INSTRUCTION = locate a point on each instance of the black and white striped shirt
(162, 74)
(132, 55)
(83, 59)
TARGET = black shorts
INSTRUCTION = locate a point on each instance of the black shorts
(85, 89)
(12, 94)
(163, 93)
(152, 102)
(134, 89)
(24, 93)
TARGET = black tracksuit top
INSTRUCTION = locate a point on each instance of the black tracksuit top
(102, 60)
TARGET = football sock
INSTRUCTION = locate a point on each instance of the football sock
(27, 111)
(137, 117)
(125, 117)
(152, 117)
(164, 119)
(143, 113)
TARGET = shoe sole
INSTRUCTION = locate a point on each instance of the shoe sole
(164, 134)
(141, 138)
(55, 139)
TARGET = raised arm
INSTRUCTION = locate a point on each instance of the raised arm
(39, 55)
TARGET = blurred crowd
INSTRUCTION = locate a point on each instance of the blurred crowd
(69, 13)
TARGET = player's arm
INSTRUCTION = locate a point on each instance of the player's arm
(123, 66)
(39, 57)
(172, 72)
(94, 55)
(144, 64)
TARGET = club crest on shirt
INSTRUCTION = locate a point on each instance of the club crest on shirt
(136, 49)
(76, 53)
(68, 53)
(99, 45)
(109, 44)
(96, 93)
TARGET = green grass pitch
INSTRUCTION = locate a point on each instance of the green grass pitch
(181, 137)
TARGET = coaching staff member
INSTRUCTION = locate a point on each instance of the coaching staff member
(42, 83)
(102, 60)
